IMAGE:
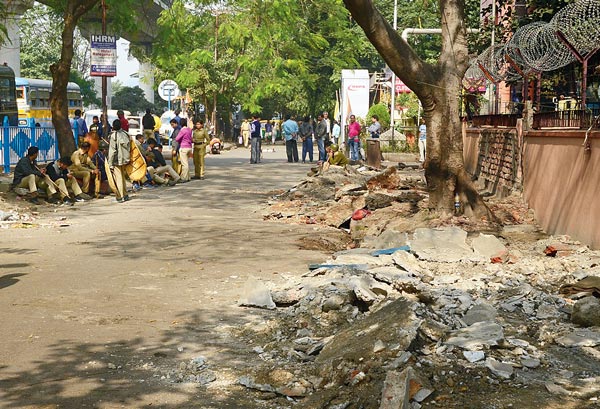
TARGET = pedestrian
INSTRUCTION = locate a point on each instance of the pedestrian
(290, 133)
(422, 140)
(175, 145)
(79, 125)
(184, 139)
(327, 126)
(306, 136)
(124, 122)
(119, 151)
(335, 132)
(246, 132)
(375, 128)
(269, 132)
(255, 140)
(200, 138)
(354, 138)
(321, 136)
(148, 124)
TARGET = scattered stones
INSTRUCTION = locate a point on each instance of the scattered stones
(477, 336)
(586, 312)
(474, 356)
(499, 369)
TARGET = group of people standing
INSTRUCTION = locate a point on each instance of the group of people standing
(307, 131)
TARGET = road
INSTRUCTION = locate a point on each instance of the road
(89, 312)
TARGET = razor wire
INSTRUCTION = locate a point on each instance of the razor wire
(493, 60)
(579, 22)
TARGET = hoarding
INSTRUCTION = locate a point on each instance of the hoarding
(103, 60)
(354, 95)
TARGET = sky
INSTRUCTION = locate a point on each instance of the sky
(126, 65)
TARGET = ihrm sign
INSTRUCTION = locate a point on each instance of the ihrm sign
(103, 38)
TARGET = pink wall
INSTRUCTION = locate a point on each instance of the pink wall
(562, 183)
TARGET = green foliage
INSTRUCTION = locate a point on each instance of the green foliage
(131, 99)
(383, 113)
(87, 86)
(283, 55)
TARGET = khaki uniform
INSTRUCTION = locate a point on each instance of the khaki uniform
(82, 168)
(200, 138)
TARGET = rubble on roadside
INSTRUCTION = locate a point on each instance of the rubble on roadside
(425, 312)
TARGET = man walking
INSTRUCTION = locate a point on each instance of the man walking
(290, 133)
(255, 140)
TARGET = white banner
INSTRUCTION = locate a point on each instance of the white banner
(355, 96)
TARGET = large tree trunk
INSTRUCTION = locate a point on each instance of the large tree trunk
(438, 88)
(74, 10)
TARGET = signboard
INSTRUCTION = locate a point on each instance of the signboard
(168, 90)
(103, 56)
(401, 87)
(355, 95)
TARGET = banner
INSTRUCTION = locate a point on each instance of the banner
(103, 56)
(355, 95)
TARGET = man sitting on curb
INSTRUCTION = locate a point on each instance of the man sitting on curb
(29, 175)
(159, 164)
(82, 166)
(58, 172)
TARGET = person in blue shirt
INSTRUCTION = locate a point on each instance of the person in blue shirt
(290, 133)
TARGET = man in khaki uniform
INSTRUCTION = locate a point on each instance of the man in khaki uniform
(83, 167)
(200, 138)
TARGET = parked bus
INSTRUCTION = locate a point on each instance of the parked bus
(8, 100)
(33, 100)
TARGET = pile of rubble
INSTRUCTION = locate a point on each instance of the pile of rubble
(419, 324)
(425, 313)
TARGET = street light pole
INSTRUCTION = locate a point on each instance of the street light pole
(393, 103)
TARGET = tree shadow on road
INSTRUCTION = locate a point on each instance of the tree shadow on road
(133, 373)
(9, 279)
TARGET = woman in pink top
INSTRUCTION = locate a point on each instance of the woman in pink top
(184, 138)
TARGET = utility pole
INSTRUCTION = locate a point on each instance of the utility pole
(104, 81)
(393, 102)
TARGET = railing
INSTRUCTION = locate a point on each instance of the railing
(562, 119)
(507, 120)
(15, 141)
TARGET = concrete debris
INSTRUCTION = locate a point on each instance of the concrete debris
(477, 336)
(500, 369)
(586, 312)
(443, 245)
(474, 356)
(479, 313)
(256, 294)
(488, 246)
(580, 338)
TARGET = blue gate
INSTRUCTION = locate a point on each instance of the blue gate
(16, 139)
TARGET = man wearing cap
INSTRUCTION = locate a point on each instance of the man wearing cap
(29, 176)
(335, 156)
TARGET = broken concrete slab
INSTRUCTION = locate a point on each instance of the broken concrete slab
(500, 369)
(351, 189)
(256, 294)
(477, 336)
(479, 313)
(359, 259)
(580, 338)
(488, 246)
(388, 239)
(400, 387)
(586, 312)
(393, 275)
(407, 262)
(446, 245)
(474, 356)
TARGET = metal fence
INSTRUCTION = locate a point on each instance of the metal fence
(16, 139)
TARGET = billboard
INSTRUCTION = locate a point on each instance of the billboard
(354, 96)
(103, 56)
